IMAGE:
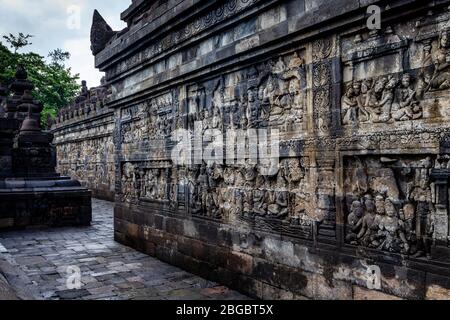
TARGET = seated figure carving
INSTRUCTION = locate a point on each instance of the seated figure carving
(441, 76)
(392, 231)
(407, 107)
(381, 100)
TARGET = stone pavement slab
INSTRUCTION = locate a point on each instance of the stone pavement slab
(45, 264)
(6, 291)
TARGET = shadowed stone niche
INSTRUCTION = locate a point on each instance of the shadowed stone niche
(31, 192)
(357, 207)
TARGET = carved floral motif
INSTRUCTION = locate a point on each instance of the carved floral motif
(321, 78)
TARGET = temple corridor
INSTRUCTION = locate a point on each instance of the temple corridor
(42, 261)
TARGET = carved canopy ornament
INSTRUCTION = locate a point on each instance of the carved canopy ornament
(101, 33)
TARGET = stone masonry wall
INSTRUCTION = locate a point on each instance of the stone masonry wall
(358, 207)
(84, 142)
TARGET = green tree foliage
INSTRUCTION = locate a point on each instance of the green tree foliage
(55, 86)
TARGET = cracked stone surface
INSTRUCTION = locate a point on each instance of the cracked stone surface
(45, 258)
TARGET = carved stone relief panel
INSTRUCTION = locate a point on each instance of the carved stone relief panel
(270, 94)
(161, 112)
(210, 18)
(390, 203)
(129, 180)
(396, 75)
(135, 126)
(282, 202)
(155, 180)
(146, 181)
(150, 120)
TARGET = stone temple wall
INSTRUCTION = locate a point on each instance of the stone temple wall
(84, 143)
(358, 207)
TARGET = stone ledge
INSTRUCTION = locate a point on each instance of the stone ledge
(136, 33)
(14, 284)
(6, 292)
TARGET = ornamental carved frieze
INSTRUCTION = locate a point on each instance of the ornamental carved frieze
(211, 18)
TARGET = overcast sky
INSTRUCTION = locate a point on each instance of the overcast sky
(54, 23)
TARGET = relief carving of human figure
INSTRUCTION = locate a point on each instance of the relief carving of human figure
(270, 92)
(302, 207)
(356, 213)
(426, 71)
(368, 226)
(279, 198)
(286, 102)
(226, 201)
(365, 88)
(249, 173)
(260, 202)
(128, 182)
(421, 195)
(204, 116)
(162, 185)
(272, 98)
(295, 172)
(280, 67)
(264, 103)
(441, 60)
(195, 203)
(150, 184)
(295, 62)
(392, 230)
(235, 116)
(375, 95)
(381, 102)
(252, 108)
(407, 107)
(387, 98)
(349, 106)
(247, 199)
(217, 108)
(401, 218)
(364, 221)
(216, 121)
(296, 116)
(202, 181)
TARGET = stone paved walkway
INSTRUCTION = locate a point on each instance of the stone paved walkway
(110, 271)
